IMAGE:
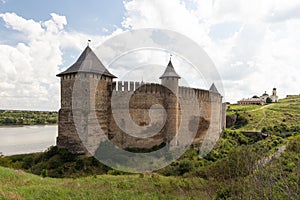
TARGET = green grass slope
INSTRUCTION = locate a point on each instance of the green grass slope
(16, 184)
(286, 111)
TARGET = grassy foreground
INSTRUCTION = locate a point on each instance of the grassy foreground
(245, 172)
(16, 184)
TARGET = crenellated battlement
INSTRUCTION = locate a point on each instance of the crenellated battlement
(187, 92)
(122, 87)
(126, 86)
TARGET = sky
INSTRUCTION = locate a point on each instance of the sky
(254, 44)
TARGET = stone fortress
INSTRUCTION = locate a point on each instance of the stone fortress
(97, 90)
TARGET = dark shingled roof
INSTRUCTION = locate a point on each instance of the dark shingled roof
(87, 62)
(170, 72)
(213, 88)
(265, 94)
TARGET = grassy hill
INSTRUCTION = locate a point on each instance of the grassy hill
(239, 166)
(286, 111)
(15, 184)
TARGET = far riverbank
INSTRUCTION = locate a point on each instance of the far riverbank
(18, 118)
(19, 126)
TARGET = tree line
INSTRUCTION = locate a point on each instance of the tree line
(14, 117)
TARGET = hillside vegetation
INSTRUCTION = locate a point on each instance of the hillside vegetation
(239, 166)
(286, 112)
(238, 175)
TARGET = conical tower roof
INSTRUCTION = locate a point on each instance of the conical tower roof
(88, 62)
(213, 88)
(170, 72)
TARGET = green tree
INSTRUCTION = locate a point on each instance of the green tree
(269, 100)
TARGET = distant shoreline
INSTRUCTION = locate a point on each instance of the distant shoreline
(20, 126)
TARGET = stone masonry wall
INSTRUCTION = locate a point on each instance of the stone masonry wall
(131, 102)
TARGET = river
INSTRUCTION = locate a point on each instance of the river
(26, 139)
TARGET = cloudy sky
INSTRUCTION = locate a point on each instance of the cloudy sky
(255, 45)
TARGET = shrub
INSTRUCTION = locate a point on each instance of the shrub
(44, 173)
(239, 163)
(240, 121)
(116, 172)
(185, 166)
(269, 100)
(223, 194)
(28, 161)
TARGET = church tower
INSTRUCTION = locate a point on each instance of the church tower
(274, 92)
(274, 96)
(170, 80)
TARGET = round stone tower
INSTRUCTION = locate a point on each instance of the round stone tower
(170, 80)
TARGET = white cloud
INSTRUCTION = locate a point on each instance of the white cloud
(167, 14)
(30, 28)
(260, 52)
(56, 23)
(28, 70)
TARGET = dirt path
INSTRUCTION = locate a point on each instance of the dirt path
(262, 119)
(263, 114)
(263, 107)
(277, 154)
